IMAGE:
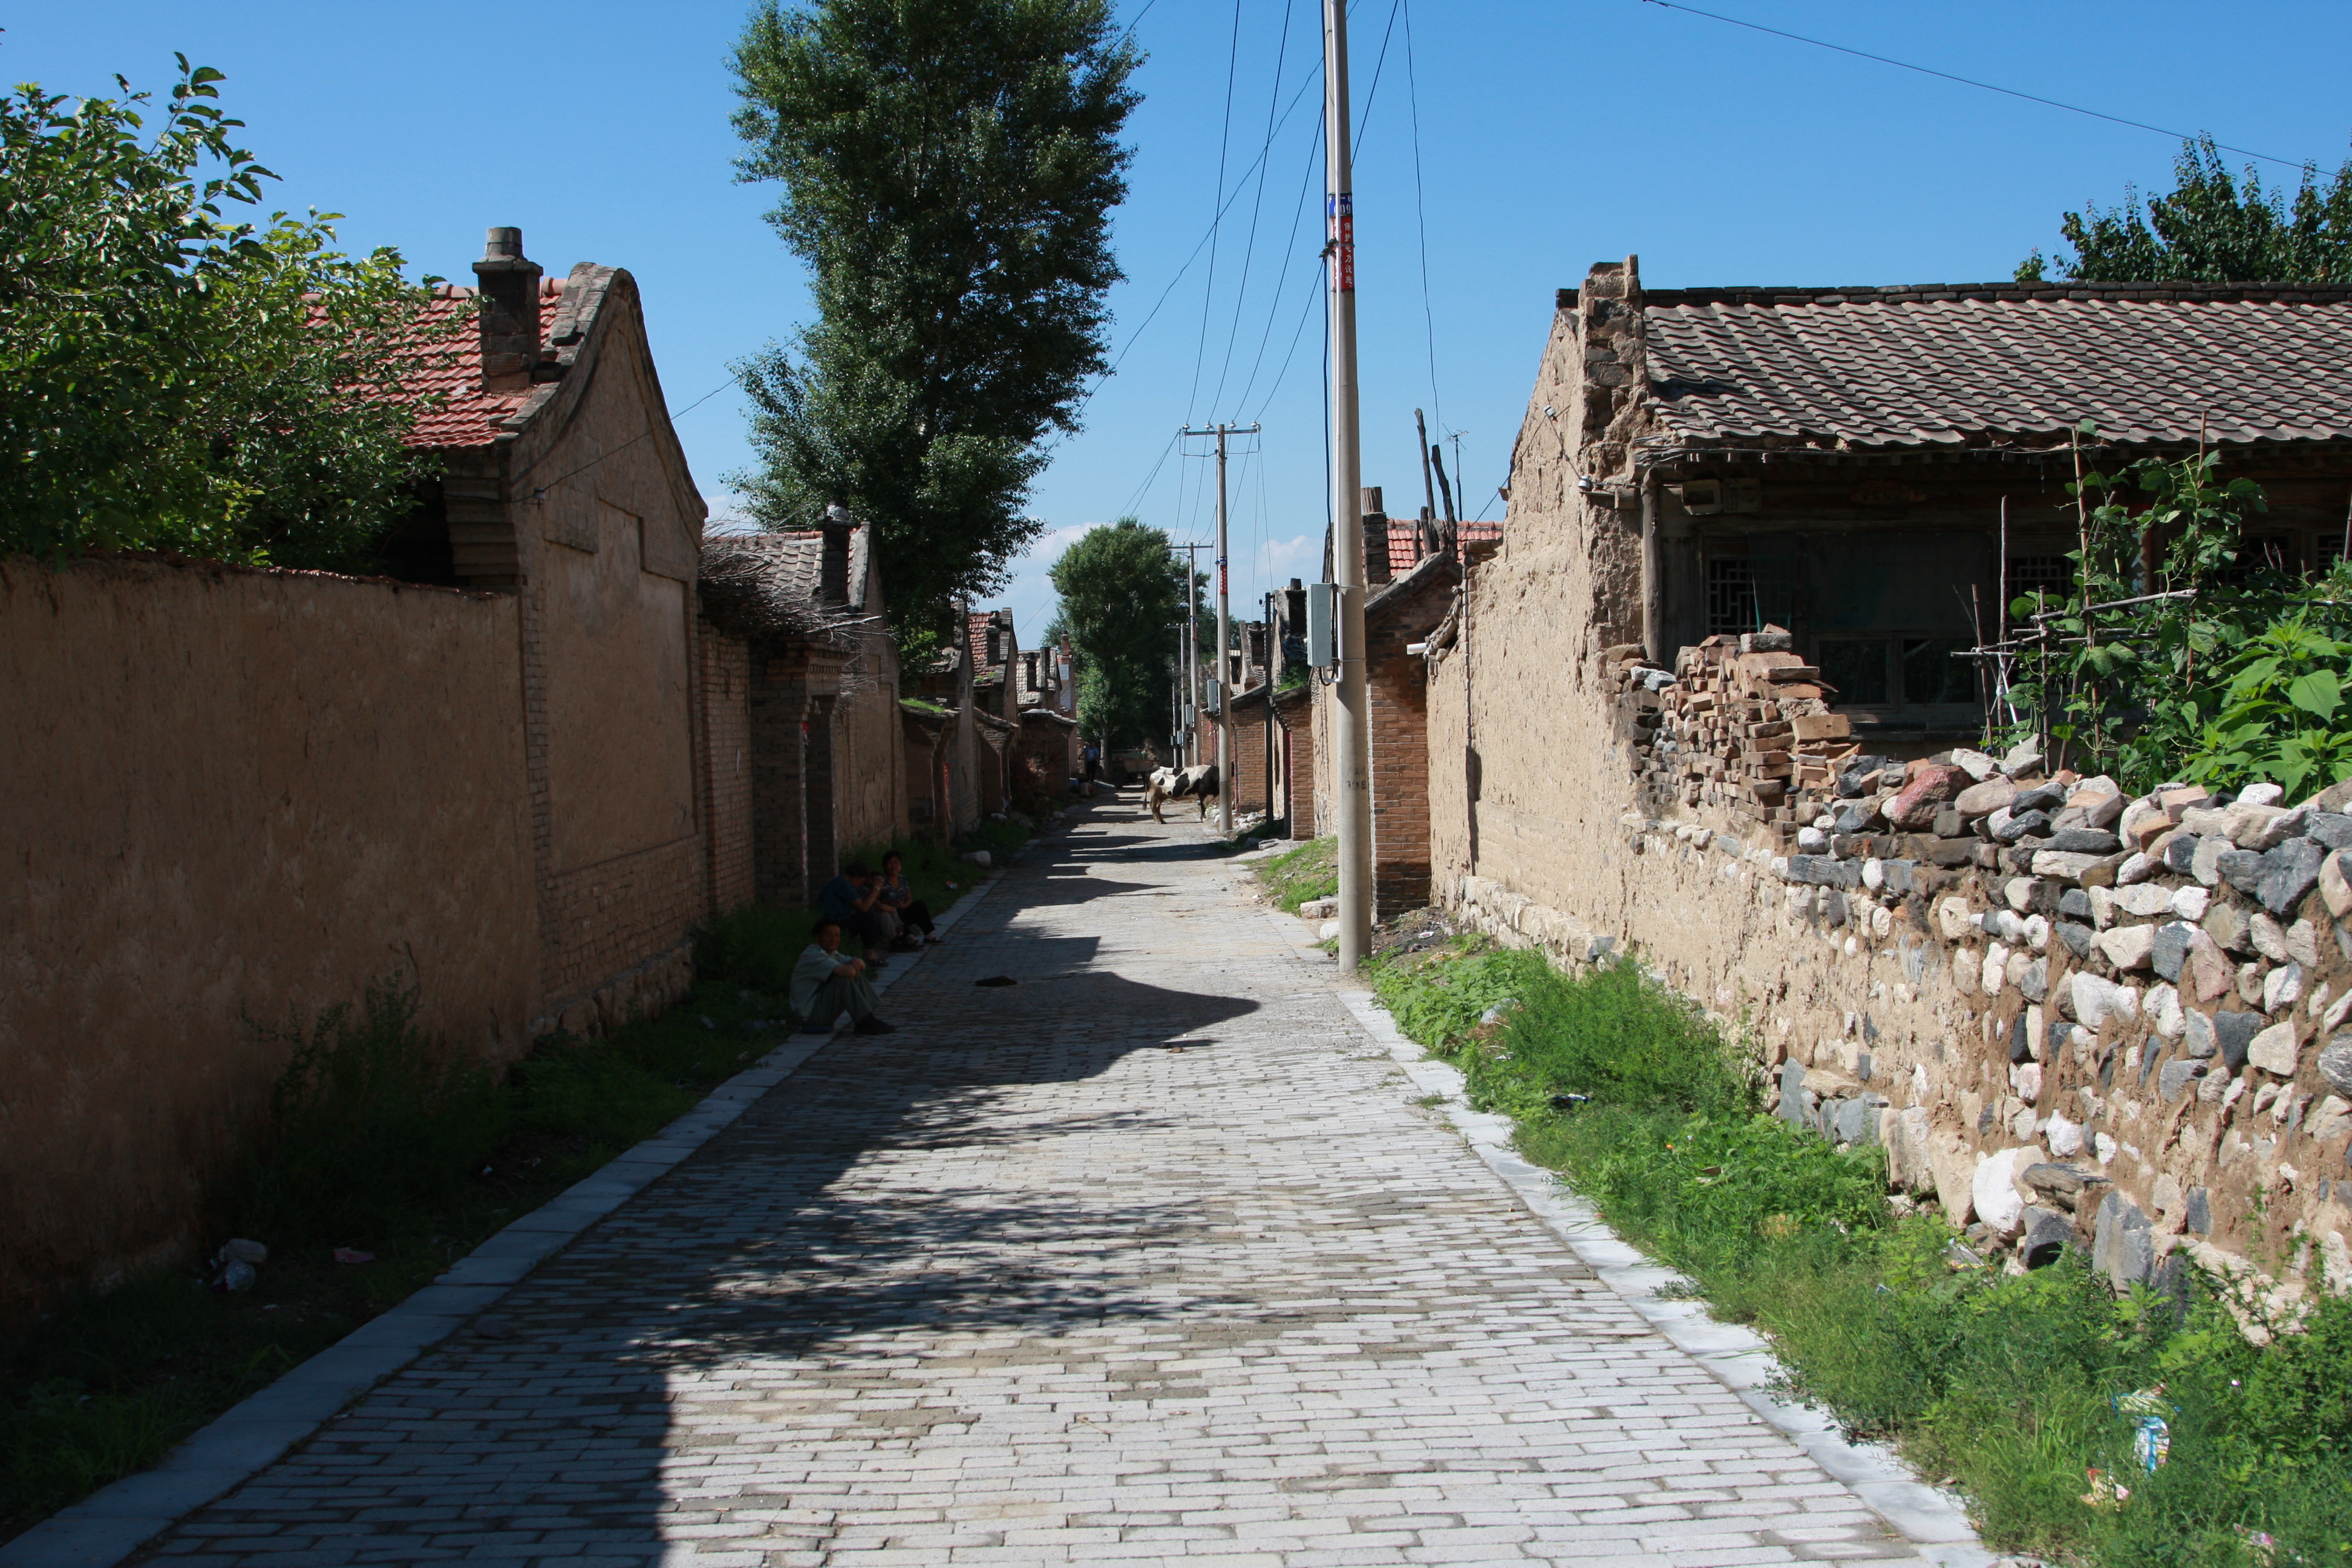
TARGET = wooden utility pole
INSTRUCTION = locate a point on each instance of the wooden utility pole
(1351, 717)
(1224, 676)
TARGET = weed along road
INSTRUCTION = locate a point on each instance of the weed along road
(1151, 1257)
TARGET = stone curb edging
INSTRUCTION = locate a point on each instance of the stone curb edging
(111, 1523)
(1929, 1519)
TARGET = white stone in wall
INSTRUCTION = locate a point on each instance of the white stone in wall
(2275, 1050)
(2019, 892)
(2269, 937)
(1952, 917)
(2128, 947)
(2028, 1081)
(2065, 1137)
(2281, 987)
(2103, 1147)
(2145, 901)
(2188, 901)
(2137, 867)
(2302, 943)
(2037, 933)
(2098, 1000)
(1996, 968)
(1993, 1188)
(1976, 765)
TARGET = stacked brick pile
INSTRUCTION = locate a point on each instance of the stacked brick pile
(1742, 724)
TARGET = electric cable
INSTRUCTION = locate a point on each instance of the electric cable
(1209, 290)
(1969, 82)
(1421, 218)
(1257, 205)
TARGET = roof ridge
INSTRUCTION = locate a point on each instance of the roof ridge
(2157, 291)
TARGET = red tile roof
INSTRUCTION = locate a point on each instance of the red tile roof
(1404, 547)
(453, 367)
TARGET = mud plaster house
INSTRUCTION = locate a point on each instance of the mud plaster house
(2141, 996)
(802, 615)
(493, 778)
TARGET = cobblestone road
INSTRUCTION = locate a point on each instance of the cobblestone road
(1149, 1258)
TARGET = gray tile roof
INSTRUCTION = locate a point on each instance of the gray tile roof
(1949, 365)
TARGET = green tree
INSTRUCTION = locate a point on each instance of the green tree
(1121, 588)
(948, 170)
(2212, 228)
(173, 380)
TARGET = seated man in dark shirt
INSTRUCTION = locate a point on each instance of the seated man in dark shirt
(853, 898)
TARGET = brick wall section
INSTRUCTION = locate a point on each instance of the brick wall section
(1295, 712)
(622, 927)
(1396, 684)
(925, 746)
(1044, 755)
(780, 702)
(1248, 783)
(725, 689)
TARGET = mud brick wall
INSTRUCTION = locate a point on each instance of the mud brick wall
(724, 693)
(233, 794)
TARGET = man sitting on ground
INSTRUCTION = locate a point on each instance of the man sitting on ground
(912, 914)
(825, 983)
(853, 900)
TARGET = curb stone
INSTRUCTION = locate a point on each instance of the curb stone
(1932, 1520)
(116, 1521)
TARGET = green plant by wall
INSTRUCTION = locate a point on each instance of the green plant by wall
(2174, 655)
(1299, 876)
(2027, 1393)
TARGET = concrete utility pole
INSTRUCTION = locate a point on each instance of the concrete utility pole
(1225, 637)
(1351, 720)
(1191, 715)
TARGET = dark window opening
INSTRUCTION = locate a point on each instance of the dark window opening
(1731, 595)
(1855, 669)
(2052, 576)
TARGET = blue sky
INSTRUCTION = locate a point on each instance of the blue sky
(1550, 136)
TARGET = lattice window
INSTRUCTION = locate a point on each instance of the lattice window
(1731, 595)
(2053, 576)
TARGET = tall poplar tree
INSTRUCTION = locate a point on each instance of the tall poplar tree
(948, 170)
(1121, 588)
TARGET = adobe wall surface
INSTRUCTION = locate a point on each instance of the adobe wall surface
(869, 742)
(1983, 1009)
(609, 541)
(232, 794)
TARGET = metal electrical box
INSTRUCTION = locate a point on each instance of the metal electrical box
(1322, 624)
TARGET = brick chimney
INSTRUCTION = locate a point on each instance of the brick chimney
(1376, 538)
(833, 566)
(509, 321)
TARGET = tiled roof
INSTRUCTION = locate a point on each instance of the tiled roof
(1999, 364)
(1404, 548)
(453, 365)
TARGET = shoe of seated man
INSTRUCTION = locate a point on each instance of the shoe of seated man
(872, 1024)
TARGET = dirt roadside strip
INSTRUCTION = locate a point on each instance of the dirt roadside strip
(1933, 1521)
(115, 1521)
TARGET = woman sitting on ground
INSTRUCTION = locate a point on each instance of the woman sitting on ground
(914, 915)
(825, 983)
(853, 901)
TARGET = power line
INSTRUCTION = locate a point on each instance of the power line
(1380, 65)
(1274, 306)
(1257, 203)
(1970, 81)
(1421, 218)
(1225, 138)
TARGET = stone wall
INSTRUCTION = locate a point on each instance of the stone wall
(2042, 1034)
(233, 794)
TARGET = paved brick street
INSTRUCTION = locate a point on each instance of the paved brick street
(1150, 1257)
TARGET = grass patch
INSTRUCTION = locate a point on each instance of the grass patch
(2012, 1388)
(382, 1142)
(1298, 876)
(1000, 838)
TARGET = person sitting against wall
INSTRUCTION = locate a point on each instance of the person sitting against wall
(854, 900)
(912, 914)
(827, 982)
